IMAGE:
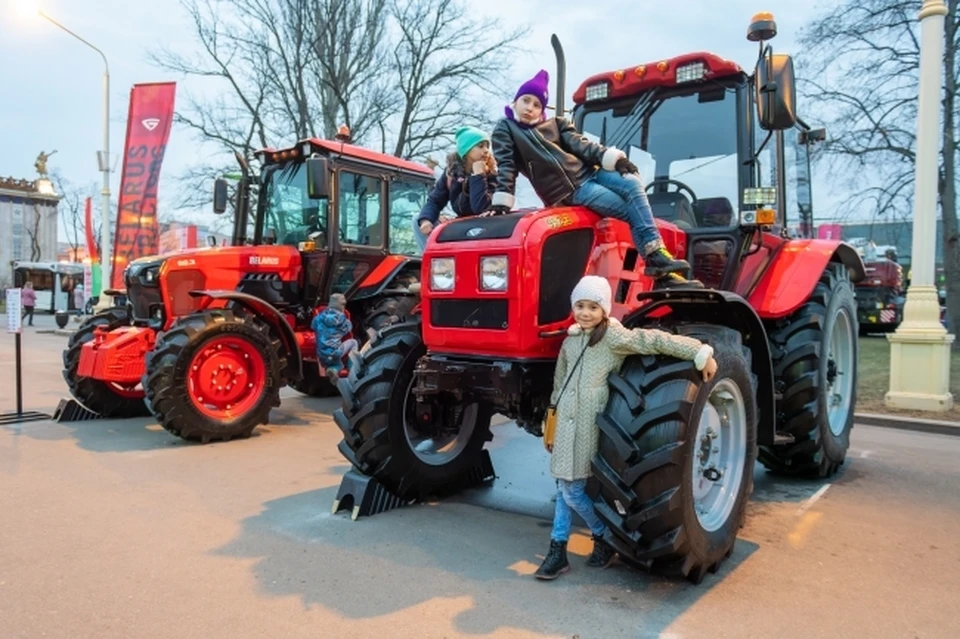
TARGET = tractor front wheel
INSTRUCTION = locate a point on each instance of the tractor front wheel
(382, 436)
(214, 376)
(105, 398)
(815, 366)
(676, 456)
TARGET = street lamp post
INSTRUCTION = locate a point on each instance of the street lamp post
(103, 160)
(920, 348)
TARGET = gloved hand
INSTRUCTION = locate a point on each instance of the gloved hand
(496, 209)
(624, 166)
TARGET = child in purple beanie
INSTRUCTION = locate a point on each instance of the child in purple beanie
(565, 168)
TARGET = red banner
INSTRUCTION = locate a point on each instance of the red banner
(148, 129)
(88, 230)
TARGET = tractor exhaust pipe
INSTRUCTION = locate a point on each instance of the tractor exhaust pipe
(561, 74)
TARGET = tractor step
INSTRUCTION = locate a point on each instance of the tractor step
(782, 439)
(70, 410)
(367, 497)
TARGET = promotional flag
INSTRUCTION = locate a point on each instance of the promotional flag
(148, 129)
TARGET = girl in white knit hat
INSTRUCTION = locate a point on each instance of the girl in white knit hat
(595, 346)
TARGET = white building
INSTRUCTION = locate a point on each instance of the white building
(28, 224)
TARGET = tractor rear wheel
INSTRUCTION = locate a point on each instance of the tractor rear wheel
(676, 456)
(109, 400)
(214, 376)
(815, 366)
(381, 436)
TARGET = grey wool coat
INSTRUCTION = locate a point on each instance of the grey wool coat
(577, 435)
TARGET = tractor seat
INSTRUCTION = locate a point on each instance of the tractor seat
(673, 207)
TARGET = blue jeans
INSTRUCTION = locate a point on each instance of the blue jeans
(418, 236)
(621, 197)
(572, 496)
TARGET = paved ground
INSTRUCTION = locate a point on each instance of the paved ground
(116, 529)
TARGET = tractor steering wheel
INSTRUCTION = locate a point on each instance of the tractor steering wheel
(681, 186)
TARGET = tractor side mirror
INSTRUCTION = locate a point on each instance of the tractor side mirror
(219, 196)
(318, 178)
(776, 92)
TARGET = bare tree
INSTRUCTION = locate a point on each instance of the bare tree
(864, 58)
(70, 211)
(445, 61)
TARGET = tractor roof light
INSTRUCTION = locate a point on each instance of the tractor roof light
(691, 72)
(760, 196)
(762, 27)
(598, 91)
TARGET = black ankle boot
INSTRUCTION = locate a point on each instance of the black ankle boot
(660, 262)
(603, 553)
(555, 563)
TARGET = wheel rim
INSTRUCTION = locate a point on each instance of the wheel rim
(719, 454)
(840, 370)
(437, 451)
(226, 378)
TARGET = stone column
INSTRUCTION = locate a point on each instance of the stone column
(920, 348)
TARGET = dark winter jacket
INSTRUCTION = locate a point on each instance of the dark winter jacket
(330, 327)
(467, 195)
(553, 155)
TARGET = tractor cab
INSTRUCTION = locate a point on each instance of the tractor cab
(347, 212)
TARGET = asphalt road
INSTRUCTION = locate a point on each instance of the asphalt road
(116, 529)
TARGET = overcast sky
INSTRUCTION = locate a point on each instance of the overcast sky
(51, 91)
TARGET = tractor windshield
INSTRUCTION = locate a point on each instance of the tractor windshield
(288, 212)
(686, 149)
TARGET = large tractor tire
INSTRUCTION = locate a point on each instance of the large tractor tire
(815, 354)
(109, 400)
(214, 376)
(676, 456)
(380, 433)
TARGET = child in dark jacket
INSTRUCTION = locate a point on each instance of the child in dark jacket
(331, 325)
(467, 183)
(565, 168)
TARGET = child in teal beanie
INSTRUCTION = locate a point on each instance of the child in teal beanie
(466, 185)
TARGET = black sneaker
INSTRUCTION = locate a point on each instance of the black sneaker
(660, 262)
(603, 553)
(555, 563)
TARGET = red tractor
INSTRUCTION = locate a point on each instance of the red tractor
(880, 296)
(676, 455)
(210, 336)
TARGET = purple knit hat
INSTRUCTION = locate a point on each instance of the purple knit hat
(537, 86)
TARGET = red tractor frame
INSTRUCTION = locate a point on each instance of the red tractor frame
(676, 455)
(210, 336)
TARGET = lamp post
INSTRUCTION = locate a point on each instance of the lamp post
(103, 160)
(920, 348)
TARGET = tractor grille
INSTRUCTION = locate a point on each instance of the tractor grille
(562, 263)
(490, 314)
(144, 300)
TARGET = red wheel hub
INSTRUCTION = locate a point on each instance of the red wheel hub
(226, 377)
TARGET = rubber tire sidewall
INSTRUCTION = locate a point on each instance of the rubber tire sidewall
(835, 447)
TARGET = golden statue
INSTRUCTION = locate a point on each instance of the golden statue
(41, 163)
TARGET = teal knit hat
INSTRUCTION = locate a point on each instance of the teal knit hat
(469, 137)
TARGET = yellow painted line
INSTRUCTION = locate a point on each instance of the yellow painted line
(797, 538)
(523, 567)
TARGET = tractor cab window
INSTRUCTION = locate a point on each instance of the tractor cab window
(359, 198)
(407, 198)
(288, 210)
(686, 149)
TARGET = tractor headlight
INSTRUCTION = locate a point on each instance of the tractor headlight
(493, 273)
(597, 91)
(442, 273)
(151, 274)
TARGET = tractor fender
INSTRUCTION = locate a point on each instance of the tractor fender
(721, 308)
(794, 271)
(269, 313)
(377, 280)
